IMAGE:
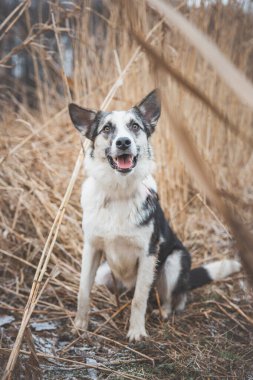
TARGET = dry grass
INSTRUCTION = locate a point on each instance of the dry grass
(39, 148)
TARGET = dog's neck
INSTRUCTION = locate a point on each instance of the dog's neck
(117, 186)
(126, 188)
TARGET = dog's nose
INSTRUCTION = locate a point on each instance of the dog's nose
(123, 143)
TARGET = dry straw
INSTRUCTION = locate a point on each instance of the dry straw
(200, 95)
(34, 169)
(243, 89)
(19, 10)
(227, 71)
(194, 161)
(36, 290)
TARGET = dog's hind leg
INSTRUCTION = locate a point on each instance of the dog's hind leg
(104, 276)
(90, 262)
(173, 279)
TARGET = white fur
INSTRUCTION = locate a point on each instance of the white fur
(139, 304)
(167, 282)
(112, 223)
(221, 269)
(104, 275)
(90, 262)
(181, 303)
(110, 227)
(111, 203)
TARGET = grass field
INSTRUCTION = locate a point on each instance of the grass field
(89, 53)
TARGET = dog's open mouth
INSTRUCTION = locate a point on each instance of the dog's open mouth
(123, 163)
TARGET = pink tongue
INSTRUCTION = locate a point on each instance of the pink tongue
(124, 162)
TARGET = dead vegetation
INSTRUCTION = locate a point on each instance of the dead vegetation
(39, 148)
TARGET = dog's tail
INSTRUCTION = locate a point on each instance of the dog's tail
(214, 271)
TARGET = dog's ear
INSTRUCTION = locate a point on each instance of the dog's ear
(83, 119)
(150, 109)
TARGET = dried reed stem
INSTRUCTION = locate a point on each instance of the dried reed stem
(23, 7)
(41, 269)
(12, 14)
(199, 172)
(64, 77)
(233, 77)
(194, 90)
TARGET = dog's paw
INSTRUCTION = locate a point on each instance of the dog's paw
(136, 334)
(81, 322)
(163, 313)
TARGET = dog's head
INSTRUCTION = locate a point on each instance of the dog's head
(119, 138)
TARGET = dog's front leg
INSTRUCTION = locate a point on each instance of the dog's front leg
(144, 282)
(90, 262)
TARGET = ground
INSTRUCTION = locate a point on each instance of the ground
(212, 338)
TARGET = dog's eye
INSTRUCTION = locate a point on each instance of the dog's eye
(107, 128)
(135, 127)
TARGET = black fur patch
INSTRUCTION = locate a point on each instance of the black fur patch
(149, 152)
(170, 241)
(163, 240)
(184, 275)
(92, 150)
(86, 120)
(108, 135)
(150, 109)
(130, 127)
(147, 127)
(93, 131)
(148, 208)
(199, 277)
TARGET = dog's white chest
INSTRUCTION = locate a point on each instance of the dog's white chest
(109, 218)
(112, 226)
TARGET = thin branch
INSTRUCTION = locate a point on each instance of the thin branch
(227, 71)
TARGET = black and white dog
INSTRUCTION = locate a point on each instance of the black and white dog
(123, 220)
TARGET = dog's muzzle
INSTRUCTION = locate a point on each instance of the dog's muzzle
(123, 163)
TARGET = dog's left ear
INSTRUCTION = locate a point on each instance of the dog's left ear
(150, 109)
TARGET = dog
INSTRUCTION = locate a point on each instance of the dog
(123, 220)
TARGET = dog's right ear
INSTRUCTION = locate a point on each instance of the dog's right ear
(83, 119)
(150, 109)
